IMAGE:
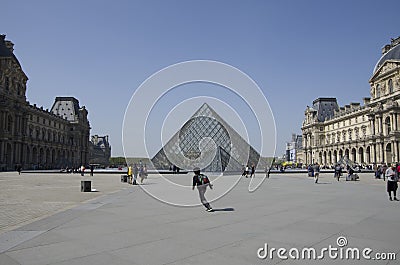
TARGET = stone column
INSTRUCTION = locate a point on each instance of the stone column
(373, 126)
(4, 120)
(373, 153)
(394, 152)
(2, 154)
(378, 158)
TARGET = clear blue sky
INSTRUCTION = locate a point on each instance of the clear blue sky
(101, 51)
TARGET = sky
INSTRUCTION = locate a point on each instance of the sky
(102, 51)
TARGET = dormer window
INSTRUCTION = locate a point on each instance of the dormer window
(390, 85)
(378, 91)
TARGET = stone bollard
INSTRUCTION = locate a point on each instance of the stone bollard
(86, 186)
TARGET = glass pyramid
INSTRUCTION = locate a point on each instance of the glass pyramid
(208, 142)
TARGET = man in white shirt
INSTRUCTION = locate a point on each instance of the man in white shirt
(392, 182)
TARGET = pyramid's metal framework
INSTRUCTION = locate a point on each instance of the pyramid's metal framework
(208, 142)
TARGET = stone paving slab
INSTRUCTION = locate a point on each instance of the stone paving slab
(28, 197)
(130, 227)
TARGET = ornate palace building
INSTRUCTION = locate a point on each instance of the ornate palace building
(365, 134)
(32, 137)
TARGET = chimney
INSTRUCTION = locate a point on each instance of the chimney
(354, 105)
(10, 45)
(366, 101)
(386, 48)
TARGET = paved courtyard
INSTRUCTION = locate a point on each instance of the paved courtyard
(45, 219)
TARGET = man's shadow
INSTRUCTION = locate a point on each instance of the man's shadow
(224, 210)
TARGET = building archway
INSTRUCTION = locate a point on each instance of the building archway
(388, 153)
(353, 155)
(368, 153)
(330, 157)
(41, 157)
(361, 155)
(335, 156)
(340, 154)
(34, 156)
(47, 158)
(347, 153)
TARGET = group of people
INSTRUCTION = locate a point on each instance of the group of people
(246, 170)
(391, 174)
(81, 170)
(315, 169)
(135, 171)
(174, 169)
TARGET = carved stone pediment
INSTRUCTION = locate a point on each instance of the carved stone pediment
(392, 104)
(385, 68)
(378, 107)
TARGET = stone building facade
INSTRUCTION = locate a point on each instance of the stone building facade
(365, 134)
(99, 150)
(33, 137)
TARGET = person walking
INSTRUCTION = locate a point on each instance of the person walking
(392, 182)
(310, 170)
(145, 171)
(141, 174)
(338, 171)
(247, 171)
(19, 169)
(91, 170)
(202, 181)
(82, 170)
(253, 171)
(130, 176)
(135, 174)
(316, 170)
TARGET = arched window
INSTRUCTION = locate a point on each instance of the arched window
(378, 91)
(388, 125)
(390, 85)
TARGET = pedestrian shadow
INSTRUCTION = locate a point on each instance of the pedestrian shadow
(324, 183)
(224, 210)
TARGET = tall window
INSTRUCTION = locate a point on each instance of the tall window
(378, 91)
(388, 125)
(390, 85)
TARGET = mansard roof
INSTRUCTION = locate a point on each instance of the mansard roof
(6, 52)
(392, 54)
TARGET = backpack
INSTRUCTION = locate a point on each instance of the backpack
(203, 179)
